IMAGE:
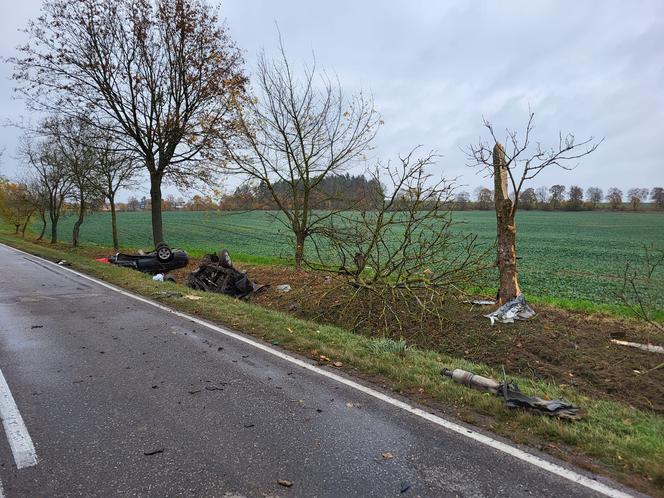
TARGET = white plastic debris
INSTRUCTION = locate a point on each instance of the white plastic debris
(159, 277)
(651, 348)
(516, 309)
(481, 302)
(283, 288)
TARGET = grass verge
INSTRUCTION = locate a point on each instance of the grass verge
(613, 438)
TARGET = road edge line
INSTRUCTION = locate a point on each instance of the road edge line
(515, 452)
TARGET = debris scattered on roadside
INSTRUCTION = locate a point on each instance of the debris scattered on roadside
(64, 262)
(283, 288)
(196, 391)
(168, 294)
(513, 396)
(285, 482)
(405, 486)
(388, 456)
(159, 277)
(337, 364)
(480, 302)
(102, 260)
(161, 260)
(216, 273)
(516, 309)
(651, 348)
(275, 343)
(153, 452)
(248, 426)
(192, 297)
(36, 326)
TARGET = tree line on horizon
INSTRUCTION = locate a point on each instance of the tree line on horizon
(560, 198)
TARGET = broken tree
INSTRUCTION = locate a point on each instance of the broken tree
(512, 165)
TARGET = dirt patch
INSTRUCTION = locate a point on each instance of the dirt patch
(566, 348)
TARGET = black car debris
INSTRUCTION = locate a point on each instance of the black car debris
(216, 273)
(163, 259)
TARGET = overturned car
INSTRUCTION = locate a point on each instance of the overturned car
(163, 259)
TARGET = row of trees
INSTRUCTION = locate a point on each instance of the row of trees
(558, 197)
(160, 84)
(69, 165)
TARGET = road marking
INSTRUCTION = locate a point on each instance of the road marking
(588, 482)
(17, 433)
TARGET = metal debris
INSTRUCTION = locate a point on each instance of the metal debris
(513, 396)
(516, 309)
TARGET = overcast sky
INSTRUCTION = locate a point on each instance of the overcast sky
(436, 67)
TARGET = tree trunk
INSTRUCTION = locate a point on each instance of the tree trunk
(43, 229)
(54, 230)
(299, 249)
(155, 197)
(114, 223)
(77, 226)
(506, 230)
(25, 226)
(18, 226)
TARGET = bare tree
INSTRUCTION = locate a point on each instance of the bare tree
(76, 146)
(657, 196)
(542, 194)
(114, 170)
(638, 290)
(595, 196)
(403, 258)
(557, 195)
(615, 198)
(49, 166)
(521, 162)
(295, 132)
(636, 196)
(575, 198)
(484, 197)
(160, 76)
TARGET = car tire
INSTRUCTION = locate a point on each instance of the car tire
(164, 253)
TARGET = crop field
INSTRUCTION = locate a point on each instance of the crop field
(566, 255)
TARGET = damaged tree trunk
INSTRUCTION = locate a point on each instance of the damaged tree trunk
(506, 230)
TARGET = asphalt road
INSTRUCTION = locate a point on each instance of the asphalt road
(122, 398)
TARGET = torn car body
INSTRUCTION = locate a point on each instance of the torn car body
(163, 259)
(216, 273)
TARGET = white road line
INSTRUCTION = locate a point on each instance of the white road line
(543, 464)
(17, 433)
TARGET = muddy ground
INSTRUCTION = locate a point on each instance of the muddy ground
(569, 348)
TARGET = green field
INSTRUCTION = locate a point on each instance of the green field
(565, 255)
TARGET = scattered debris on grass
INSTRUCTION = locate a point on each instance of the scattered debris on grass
(216, 273)
(192, 297)
(513, 396)
(651, 348)
(283, 288)
(516, 309)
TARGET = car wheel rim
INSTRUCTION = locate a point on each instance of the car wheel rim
(163, 253)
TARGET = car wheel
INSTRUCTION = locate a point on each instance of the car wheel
(225, 259)
(164, 253)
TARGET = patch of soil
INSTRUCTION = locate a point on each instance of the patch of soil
(567, 348)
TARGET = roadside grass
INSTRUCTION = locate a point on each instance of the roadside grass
(612, 438)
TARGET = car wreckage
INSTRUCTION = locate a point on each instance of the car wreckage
(163, 259)
(216, 273)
